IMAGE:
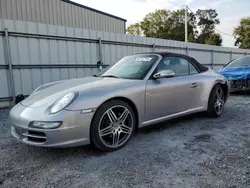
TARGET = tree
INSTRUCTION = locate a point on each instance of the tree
(242, 33)
(214, 39)
(135, 29)
(170, 25)
(207, 20)
(163, 24)
(210, 38)
(178, 25)
(157, 24)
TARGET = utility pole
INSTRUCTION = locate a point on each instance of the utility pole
(186, 24)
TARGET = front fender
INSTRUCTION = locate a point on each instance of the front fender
(47, 85)
(95, 97)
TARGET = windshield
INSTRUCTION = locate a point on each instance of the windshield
(132, 67)
(240, 62)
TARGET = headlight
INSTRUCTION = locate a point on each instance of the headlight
(63, 102)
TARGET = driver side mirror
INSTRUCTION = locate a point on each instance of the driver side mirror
(164, 74)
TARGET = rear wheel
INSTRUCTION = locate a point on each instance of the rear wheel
(112, 126)
(216, 101)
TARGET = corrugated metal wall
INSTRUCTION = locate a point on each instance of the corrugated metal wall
(43, 53)
(60, 12)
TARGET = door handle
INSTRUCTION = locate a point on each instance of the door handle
(194, 85)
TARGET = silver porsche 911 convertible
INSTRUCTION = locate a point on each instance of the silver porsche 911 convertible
(105, 110)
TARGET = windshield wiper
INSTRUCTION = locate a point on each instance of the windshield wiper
(110, 76)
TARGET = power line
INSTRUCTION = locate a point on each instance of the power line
(224, 33)
(214, 28)
(190, 9)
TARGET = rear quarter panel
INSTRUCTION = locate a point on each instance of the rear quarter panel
(207, 81)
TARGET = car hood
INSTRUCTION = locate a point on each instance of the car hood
(54, 92)
(235, 73)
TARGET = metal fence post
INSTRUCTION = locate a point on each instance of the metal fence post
(154, 47)
(100, 54)
(9, 62)
(187, 50)
(212, 65)
(245, 53)
(231, 55)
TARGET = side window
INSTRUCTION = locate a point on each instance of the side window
(179, 65)
(183, 68)
(192, 69)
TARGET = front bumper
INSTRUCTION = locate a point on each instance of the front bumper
(240, 85)
(74, 130)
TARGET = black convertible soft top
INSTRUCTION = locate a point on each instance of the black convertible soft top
(199, 66)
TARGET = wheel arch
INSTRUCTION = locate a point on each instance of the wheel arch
(224, 86)
(129, 102)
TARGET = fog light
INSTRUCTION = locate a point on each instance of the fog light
(46, 124)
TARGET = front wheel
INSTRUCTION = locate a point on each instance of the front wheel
(112, 125)
(216, 101)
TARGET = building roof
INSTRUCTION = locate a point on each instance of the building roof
(94, 10)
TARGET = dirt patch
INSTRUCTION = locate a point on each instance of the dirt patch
(203, 138)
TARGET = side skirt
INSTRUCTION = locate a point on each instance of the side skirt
(158, 120)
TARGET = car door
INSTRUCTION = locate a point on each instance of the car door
(167, 96)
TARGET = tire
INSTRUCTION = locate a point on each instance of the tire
(108, 126)
(216, 101)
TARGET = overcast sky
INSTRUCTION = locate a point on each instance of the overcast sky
(230, 11)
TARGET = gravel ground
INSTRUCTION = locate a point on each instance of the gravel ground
(194, 151)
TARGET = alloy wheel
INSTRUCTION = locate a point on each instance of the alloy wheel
(116, 126)
(219, 100)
